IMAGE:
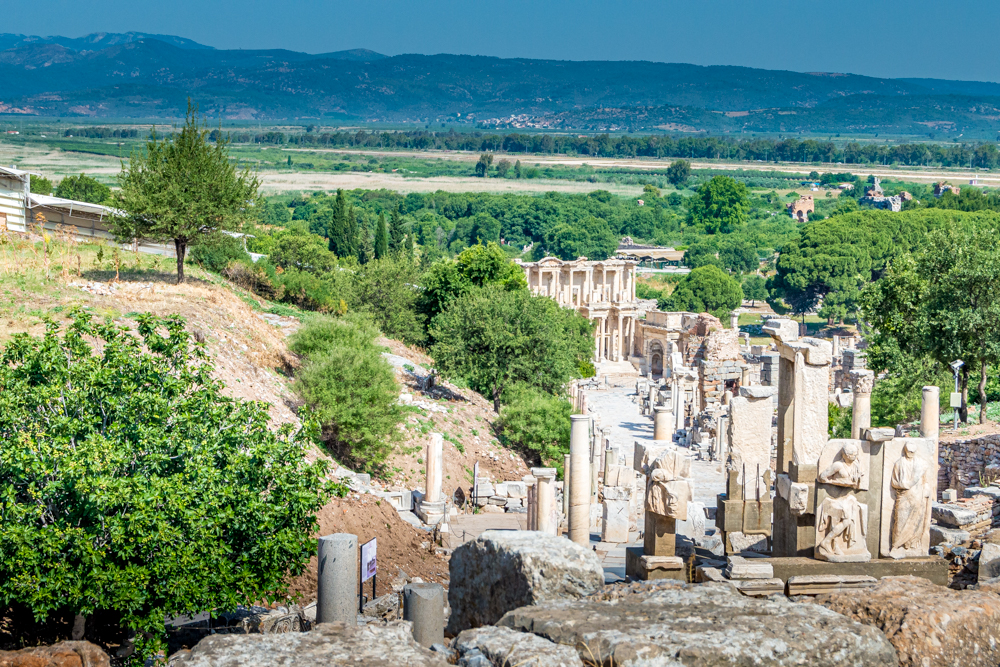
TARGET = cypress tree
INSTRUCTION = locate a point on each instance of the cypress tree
(397, 232)
(366, 247)
(381, 238)
(343, 228)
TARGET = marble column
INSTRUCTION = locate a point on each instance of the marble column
(662, 423)
(930, 413)
(861, 413)
(435, 465)
(545, 499)
(566, 465)
(579, 480)
(531, 500)
(618, 340)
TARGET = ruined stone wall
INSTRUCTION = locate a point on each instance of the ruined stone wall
(965, 463)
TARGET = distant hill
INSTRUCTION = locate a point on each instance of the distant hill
(148, 76)
(96, 41)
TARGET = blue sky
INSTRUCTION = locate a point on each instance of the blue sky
(894, 38)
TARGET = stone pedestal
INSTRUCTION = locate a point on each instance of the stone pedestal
(579, 480)
(641, 567)
(660, 537)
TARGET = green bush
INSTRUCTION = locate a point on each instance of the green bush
(134, 490)
(350, 387)
(217, 252)
(534, 421)
(706, 289)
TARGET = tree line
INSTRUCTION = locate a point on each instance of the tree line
(982, 155)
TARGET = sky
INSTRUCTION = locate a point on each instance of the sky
(887, 38)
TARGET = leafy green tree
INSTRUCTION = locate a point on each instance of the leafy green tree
(534, 421)
(485, 228)
(134, 490)
(381, 238)
(738, 256)
(517, 169)
(387, 290)
(40, 185)
(679, 172)
(483, 165)
(706, 289)
(83, 188)
(591, 238)
(720, 205)
(350, 387)
(477, 266)
(181, 189)
(755, 288)
(494, 338)
(943, 303)
(503, 166)
(701, 253)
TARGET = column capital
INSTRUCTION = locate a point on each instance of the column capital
(862, 382)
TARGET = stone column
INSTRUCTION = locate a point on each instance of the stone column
(595, 462)
(566, 466)
(861, 413)
(423, 606)
(662, 423)
(337, 578)
(435, 462)
(653, 390)
(530, 499)
(678, 401)
(571, 304)
(432, 507)
(930, 413)
(579, 480)
(545, 493)
(618, 341)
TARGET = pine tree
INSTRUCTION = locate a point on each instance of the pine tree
(381, 238)
(397, 232)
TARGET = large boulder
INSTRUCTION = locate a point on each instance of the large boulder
(669, 624)
(63, 654)
(504, 570)
(327, 644)
(504, 647)
(929, 625)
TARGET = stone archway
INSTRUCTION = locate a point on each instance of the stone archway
(656, 358)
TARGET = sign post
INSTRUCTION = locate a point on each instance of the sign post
(368, 568)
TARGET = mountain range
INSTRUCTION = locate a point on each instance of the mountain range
(139, 75)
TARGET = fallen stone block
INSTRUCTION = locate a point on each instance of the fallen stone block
(822, 584)
(670, 624)
(517, 490)
(327, 644)
(747, 568)
(943, 534)
(503, 570)
(63, 654)
(504, 647)
(385, 607)
(927, 624)
(760, 587)
(951, 515)
(989, 561)
(614, 527)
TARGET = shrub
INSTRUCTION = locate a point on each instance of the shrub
(217, 252)
(351, 388)
(134, 490)
(537, 422)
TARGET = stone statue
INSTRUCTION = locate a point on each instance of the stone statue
(667, 489)
(846, 472)
(841, 530)
(909, 512)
